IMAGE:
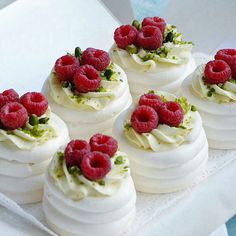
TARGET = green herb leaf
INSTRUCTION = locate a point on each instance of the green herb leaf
(102, 182)
(65, 84)
(43, 120)
(136, 24)
(169, 37)
(33, 120)
(78, 53)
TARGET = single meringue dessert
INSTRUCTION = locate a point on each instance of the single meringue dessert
(212, 89)
(165, 142)
(87, 91)
(89, 190)
(153, 55)
(29, 136)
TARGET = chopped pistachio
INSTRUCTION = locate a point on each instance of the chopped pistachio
(119, 160)
(151, 91)
(65, 84)
(108, 73)
(33, 120)
(127, 126)
(43, 120)
(74, 170)
(182, 127)
(102, 182)
(136, 24)
(132, 49)
(34, 132)
(101, 89)
(60, 157)
(193, 108)
(78, 53)
(184, 104)
(163, 98)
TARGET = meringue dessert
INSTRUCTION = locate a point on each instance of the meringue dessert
(212, 89)
(165, 142)
(29, 136)
(87, 91)
(153, 55)
(88, 189)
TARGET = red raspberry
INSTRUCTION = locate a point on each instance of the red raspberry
(99, 59)
(13, 115)
(66, 66)
(150, 37)
(87, 79)
(144, 119)
(171, 113)
(103, 143)
(75, 152)
(125, 35)
(233, 69)
(151, 100)
(35, 103)
(95, 165)
(7, 96)
(227, 55)
(155, 21)
(217, 71)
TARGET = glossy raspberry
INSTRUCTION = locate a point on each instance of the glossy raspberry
(144, 119)
(97, 58)
(75, 152)
(35, 103)
(171, 113)
(9, 95)
(150, 37)
(66, 66)
(217, 71)
(155, 21)
(227, 55)
(13, 116)
(87, 79)
(125, 35)
(95, 165)
(103, 143)
(151, 100)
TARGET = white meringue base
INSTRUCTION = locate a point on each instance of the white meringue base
(84, 124)
(90, 216)
(165, 171)
(168, 78)
(218, 119)
(22, 171)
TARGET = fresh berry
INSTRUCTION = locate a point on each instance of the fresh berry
(75, 152)
(233, 69)
(155, 21)
(217, 71)
(150, 37)
(125, 35)
(95, 165)
(171, 113)
(13, 116)
(151, 100)
(87, 79)
(66, 66)
(35, 103)
(99, 59)
(227, 55)
(103, 143)
(144, 119)
(9, 95)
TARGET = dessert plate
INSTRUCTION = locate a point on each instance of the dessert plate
(154, 209)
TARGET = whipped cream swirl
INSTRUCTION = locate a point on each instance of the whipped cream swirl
(164, 137)
(76, 186)
(86, 101)
(169, 55)
(30, 136)
(220, 93)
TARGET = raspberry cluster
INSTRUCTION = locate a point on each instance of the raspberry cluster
(16, 111)
(152, 111)
(147, 35)
(82, 70)
(93, 158)
(222, 68)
